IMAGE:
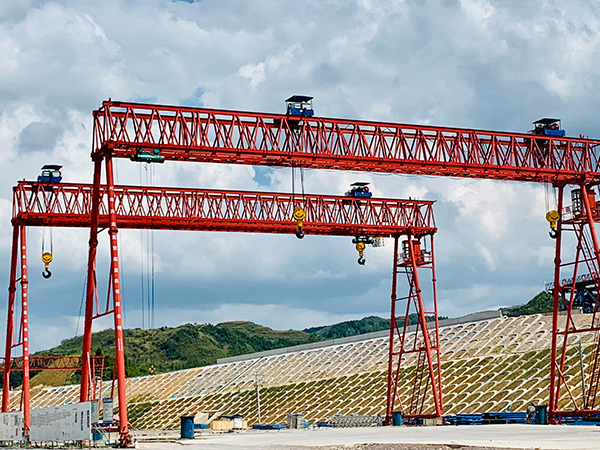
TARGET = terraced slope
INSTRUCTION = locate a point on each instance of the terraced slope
(488, 365)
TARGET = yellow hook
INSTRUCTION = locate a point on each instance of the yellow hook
(553, 217)
(360, 247)
(47, 259)
(299, 215)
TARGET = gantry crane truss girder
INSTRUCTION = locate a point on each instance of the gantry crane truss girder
(124, 129)
(69, 205)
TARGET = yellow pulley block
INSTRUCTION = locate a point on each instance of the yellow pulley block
(553, 217)
(299, 215)
(47, 259)
(360, 247)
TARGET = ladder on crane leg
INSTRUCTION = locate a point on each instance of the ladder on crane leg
(425, 396)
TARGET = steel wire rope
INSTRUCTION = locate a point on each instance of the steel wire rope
(120, 246)
(142, 260)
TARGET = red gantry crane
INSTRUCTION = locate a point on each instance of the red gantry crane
(157, 133)
(72, 205)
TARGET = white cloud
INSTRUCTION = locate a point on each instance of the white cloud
(474, 63)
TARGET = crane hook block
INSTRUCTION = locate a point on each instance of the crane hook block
(553, 217)
(360, 248)
(299, 216)
(47, 259)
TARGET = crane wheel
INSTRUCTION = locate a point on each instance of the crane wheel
(47, 274)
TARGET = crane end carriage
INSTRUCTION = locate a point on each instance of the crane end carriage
(548, 127)
(359, 189)
(50, 174)
(300, 105)
(297, 107)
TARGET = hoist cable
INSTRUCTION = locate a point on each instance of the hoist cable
(152, 261)
(81, 304)
(293, 185)
(151, 266)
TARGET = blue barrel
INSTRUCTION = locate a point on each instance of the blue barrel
(396, 418)
(187, 427)
(541, 414)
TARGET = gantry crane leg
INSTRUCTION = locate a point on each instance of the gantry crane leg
(425, 398)
(114, 292)
(571, 395)
(19, 256)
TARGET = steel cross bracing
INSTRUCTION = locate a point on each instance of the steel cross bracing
(72, 205)
(69, 205)
(210, 135)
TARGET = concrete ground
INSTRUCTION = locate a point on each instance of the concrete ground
(380, 438)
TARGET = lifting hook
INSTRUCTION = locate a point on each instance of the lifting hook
(299, 216)
(553, 217)
(360, 248)
(46, 259)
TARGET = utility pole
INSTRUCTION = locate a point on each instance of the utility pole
(258, 386)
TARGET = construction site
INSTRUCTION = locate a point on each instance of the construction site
(480, 369)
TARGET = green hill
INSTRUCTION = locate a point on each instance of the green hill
(191, 345)
(167, 349)
(541, 303)
(354, 327)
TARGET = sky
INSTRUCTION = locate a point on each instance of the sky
(496, 65)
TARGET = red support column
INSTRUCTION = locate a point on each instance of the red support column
(86, 370)
(12, 288)
(425, 398)
(391, 384)
(116, 294)
(576, 285)
(554, 382)
(25, 334)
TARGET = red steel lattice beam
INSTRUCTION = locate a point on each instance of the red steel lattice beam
(209, 135)
(69, 205)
